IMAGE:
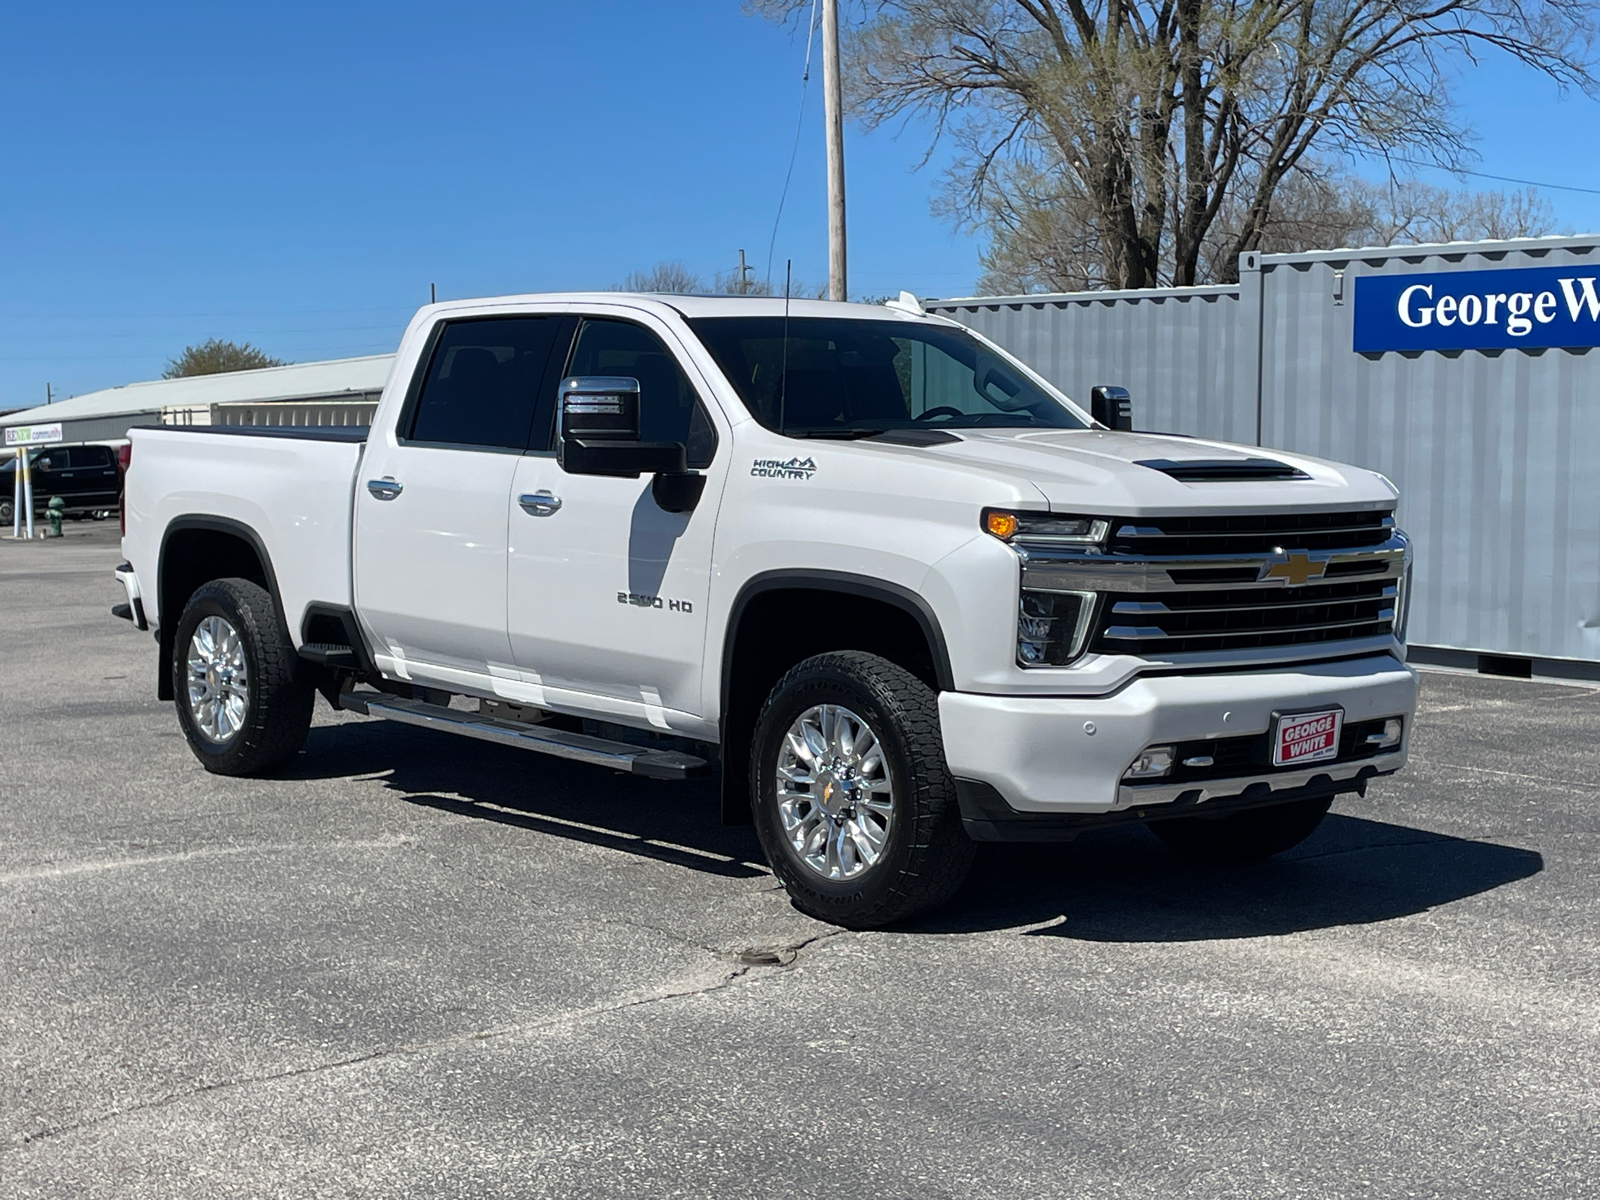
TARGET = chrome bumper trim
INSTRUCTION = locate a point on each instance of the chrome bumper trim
(1144, 795)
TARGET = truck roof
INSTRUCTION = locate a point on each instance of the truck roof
(700, 306)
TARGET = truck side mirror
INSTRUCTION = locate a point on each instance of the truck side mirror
(1111, 406)
(599, 430)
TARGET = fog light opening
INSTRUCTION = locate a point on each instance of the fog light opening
(1392, 730)
(1152, 763)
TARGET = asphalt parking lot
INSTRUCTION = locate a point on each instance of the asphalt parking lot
(417, 965)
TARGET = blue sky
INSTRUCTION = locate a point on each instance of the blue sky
(296, 175)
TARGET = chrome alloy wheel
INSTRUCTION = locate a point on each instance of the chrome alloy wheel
(219, 680)
(835, 797)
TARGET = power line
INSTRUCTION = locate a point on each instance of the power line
(799, 126)
(1556, 187)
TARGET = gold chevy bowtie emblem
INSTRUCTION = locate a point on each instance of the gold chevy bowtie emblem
(1295, 570)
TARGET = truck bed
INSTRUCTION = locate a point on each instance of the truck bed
(291, 486)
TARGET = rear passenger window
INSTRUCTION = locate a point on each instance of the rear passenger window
(669, 410)
(483, 381)
(84, 457)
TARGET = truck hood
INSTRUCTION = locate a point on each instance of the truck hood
(1090, 470)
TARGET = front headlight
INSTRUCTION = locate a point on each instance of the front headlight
(1053, 627)
(1045, 529)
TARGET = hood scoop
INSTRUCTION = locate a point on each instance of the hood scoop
(1224, 470)
(914, 437)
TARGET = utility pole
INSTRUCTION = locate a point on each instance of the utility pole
(833, 127)
(48, 398)
(433, 296)
(744, 275)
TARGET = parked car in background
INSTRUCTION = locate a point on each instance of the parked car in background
(87, 478)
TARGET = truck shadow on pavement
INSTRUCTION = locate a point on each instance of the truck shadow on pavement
(1113, 885)
(670, 822)
(1121, 885)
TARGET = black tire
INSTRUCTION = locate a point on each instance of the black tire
(8, 510)
(927, 853)
(1244, 837)
(277, 710)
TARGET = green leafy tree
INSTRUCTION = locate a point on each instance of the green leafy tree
(215, 357)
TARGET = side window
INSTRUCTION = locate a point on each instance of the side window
(669, 410)
(483, 381)
(89, 457)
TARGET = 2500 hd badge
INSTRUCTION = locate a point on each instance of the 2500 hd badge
(641, 601)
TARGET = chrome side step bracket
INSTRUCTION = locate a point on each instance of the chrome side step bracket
(580, 747)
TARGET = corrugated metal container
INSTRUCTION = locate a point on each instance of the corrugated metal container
(1176, 350)
(1496, 451)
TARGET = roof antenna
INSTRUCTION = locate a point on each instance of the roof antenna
(783, 379)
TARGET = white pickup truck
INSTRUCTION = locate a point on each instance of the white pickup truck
(897, 587)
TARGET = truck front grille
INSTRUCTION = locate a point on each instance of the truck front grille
(1217, 584)
(1178, 622)
(1250, 533)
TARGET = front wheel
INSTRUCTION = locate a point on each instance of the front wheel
(1247, 836)
(854, 806)
(235, 677)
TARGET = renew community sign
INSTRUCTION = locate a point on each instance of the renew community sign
(33, 435)
(1478, 310)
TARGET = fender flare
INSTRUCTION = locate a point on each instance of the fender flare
(167, 630)
(735, 801)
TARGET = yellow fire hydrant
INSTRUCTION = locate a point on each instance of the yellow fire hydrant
(53, 512)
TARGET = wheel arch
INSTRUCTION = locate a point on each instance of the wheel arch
(196, 549)
(839, 611)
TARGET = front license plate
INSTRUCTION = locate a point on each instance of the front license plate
(1307, 737)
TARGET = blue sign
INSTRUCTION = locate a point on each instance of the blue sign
(1478, 310)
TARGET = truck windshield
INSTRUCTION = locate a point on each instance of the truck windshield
(834, 377)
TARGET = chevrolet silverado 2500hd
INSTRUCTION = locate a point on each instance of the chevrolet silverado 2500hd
(904, 593)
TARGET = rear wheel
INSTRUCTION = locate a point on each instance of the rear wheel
(1247, 836)
(853, 803)
(236, 680)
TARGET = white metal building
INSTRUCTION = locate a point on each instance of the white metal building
(342, 391)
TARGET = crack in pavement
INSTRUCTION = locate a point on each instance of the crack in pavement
(668, 991)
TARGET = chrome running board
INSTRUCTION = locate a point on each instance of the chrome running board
(579, 747)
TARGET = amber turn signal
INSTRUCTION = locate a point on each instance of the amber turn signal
(1002, 524)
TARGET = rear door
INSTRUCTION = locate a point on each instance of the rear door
(607, 590)
(430, 506)
(96, 476)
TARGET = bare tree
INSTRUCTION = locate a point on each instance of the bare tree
(1151, 119)
(1043, 239)
(672, 278)
(217, 357)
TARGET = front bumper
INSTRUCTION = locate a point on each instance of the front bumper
(1059, 756)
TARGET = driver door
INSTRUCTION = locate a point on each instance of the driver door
(607, 592)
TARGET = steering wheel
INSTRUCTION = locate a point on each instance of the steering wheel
(944, 410)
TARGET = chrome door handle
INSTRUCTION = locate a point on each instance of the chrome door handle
(539, 504)
(385, 488)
